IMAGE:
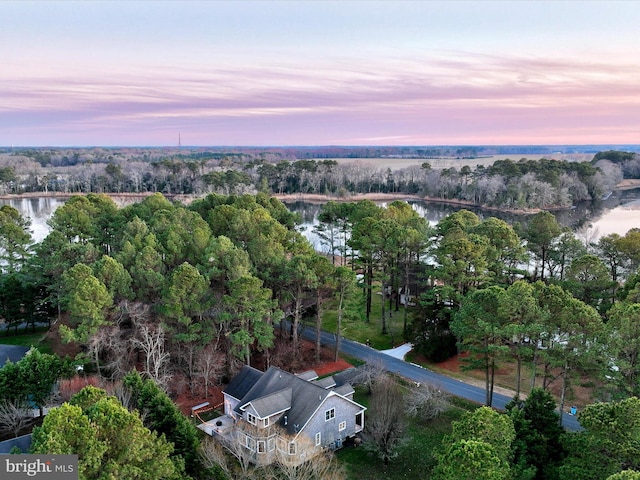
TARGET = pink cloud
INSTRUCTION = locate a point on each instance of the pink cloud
(430, 100)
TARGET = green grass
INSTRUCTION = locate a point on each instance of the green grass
(360, 330)
(36, 339)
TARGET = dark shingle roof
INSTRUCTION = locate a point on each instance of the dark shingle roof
(346, 376)
(305, 397)
(345, 390)
(326, 382)
(308, 375)
(273, 403)
(243, 382)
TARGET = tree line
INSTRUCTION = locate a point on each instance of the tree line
(510, 184)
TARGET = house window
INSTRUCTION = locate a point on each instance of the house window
(266, 422)
(318, 439)
(342, 426)
(251, 443)
(329, 414)
(292, 448)
(251, 419)
(271, 444)
(261, 446)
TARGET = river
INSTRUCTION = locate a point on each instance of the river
(618, 214)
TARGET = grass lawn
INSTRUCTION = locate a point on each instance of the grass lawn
(29, 340)
(360, 330)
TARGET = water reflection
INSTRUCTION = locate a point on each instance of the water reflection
(38, 209)
(619, 213)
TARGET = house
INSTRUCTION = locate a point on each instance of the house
(276, 413)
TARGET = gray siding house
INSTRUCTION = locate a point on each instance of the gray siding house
(278, 413)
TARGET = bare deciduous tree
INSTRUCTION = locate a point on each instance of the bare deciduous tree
(210, 363)
(106, 340)
(215, 457)
(426, 401)
(151, 340)
(124, 395)
(368, 374)
(14, 416)
(234, 459)
(119, 352)
(319, 465)
(137, 312)
(386, 424)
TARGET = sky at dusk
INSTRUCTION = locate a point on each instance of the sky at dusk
(300, 72)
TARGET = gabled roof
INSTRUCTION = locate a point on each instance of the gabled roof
(326, 382)
(308, 375)
(274, 389)
(345, 390)
(271, 404)
(242, 382)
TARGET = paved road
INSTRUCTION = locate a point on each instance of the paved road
(11, 352)
(417, 373)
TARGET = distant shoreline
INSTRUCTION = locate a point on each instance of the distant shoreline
(126, 198)
(390, 197)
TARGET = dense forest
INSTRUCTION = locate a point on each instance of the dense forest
(195, 292)
(507, 184)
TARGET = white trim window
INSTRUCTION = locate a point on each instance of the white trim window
(292, 448)
(251, 418)
(271, 444)
(251, 443)
(342, 426)
(318, 439)
(266, 422)
(261, 446)
(329, 414)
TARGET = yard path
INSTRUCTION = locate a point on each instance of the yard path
(420, 374)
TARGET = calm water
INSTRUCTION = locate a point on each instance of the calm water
(618, 214)
(39, 210)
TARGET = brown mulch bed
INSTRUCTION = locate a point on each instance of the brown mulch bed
(186, 400)
(305, 361)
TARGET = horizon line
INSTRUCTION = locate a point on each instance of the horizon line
(363, 145)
